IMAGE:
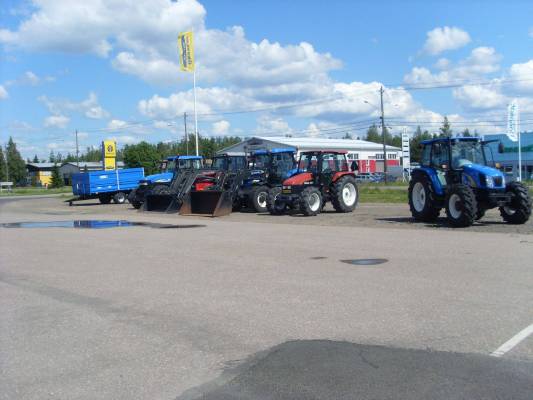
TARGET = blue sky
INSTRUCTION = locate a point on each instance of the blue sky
(111, 70)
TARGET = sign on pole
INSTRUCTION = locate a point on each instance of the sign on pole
(513, 131)
(406, 155)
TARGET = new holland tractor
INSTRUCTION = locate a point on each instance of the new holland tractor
(268, 170)
(456, 174)
(159, 183)
(322, 176)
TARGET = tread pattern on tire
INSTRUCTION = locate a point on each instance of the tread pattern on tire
(252, 203)
(337, 198)
(521, 204)
(430, 212)
(273, 193)
(304, 201)
(469, 211)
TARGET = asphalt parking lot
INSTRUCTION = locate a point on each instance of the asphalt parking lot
(254, 306)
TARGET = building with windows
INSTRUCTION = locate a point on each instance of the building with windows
(40, 174)
(369, 155)
(509, 158)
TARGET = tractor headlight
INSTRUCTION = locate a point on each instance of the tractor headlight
(489, 181)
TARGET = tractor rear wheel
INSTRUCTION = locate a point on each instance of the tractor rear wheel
(258, 199)
(461, 206)
(311, 201)
(519, 210)
(422, 200)
(275, 207)
(119, 198)
(344, 194)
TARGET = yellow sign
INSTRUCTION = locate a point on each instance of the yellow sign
(109, 148)
(186, 49)
(110, 163)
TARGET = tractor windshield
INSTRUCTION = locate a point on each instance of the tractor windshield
(168, 166)
(220, 163)
(466, 152)
(308, 162)
(190, 164)
(260, 161)
(282, 163)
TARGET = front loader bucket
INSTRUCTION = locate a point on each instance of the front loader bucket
(160, 203)
(212, 203)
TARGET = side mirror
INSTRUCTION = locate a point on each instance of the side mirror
(354, 166)
(501, 149)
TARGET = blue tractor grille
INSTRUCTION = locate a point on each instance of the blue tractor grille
(498, 181)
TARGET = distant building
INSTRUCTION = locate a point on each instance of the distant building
(509, 158)
(67, 169)
(40, 174)
(369, 155)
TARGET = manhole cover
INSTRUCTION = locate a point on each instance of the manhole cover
(365, 261)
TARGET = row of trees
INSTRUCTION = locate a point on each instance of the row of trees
(12, 165)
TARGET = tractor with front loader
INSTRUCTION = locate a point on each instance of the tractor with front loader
(458, 174)
(268, 170)
(323, 176)
(159, 183)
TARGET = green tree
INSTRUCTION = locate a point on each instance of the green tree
(143, 155)
(415, 148)
(3, 175)
(373, 135)
(15, 163)
(35, 159)
(52, 157)
(56, 181)
(347, 136)
(466, 133)
(445, 129)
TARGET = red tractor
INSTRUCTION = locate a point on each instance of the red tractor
(322, 176)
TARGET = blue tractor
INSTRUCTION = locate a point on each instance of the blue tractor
(159, 183)
(268, 170)
(457, 174)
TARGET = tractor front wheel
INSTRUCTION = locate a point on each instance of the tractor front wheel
(311, 201)
(160, 190)
(461, 206)
(275, 207)
(519, 209)
(258, 199)
(344, 194)
(422, 199)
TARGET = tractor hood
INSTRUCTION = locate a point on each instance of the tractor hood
(477, 175)
(298, 179)
(162, 177)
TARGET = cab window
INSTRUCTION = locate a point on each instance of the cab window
(439, 155)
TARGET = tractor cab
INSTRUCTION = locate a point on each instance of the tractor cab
(322, 176)
(229, 162)
(458, 174)
(185, 162)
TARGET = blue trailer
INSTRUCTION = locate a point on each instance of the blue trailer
(105, 185)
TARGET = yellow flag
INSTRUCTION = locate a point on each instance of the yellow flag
(186, 48)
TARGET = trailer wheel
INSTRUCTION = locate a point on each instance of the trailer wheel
(461, 206)
(274, 206)
(119, 198)
(311, 201)
(104, 198)
(258, 199)
(519, 210)
(344, 195)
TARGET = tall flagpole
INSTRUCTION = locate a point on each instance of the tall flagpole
(195, 115)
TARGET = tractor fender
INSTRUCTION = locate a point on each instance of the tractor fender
(298, 179)
(339, 175)
(431, 174)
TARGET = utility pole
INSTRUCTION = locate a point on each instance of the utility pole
(186, 134)
(7, 166)
(383, 134)
(77, 152)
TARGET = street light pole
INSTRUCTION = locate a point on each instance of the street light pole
(383, 134)
(77, 152)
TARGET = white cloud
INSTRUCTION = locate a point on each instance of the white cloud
(271, 126)
(89, 107)
(3, 93)
(125, 139)
(220, 127)
(476, 97)
(523, 75)
(32, 78)
(116, 124)
(445, 38)
(56, 121)
(481, 61)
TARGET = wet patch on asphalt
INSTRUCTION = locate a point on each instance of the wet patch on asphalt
(96, 224)
(365, 261)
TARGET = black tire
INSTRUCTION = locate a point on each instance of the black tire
(311, 201)
(119, 198)
(274, 206)
(519, 211)
(258, 199)
(160, 189)
(344, 194)
(104, 198)
(461, 206)
(428, 211)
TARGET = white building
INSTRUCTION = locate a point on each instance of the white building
(369, 155)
